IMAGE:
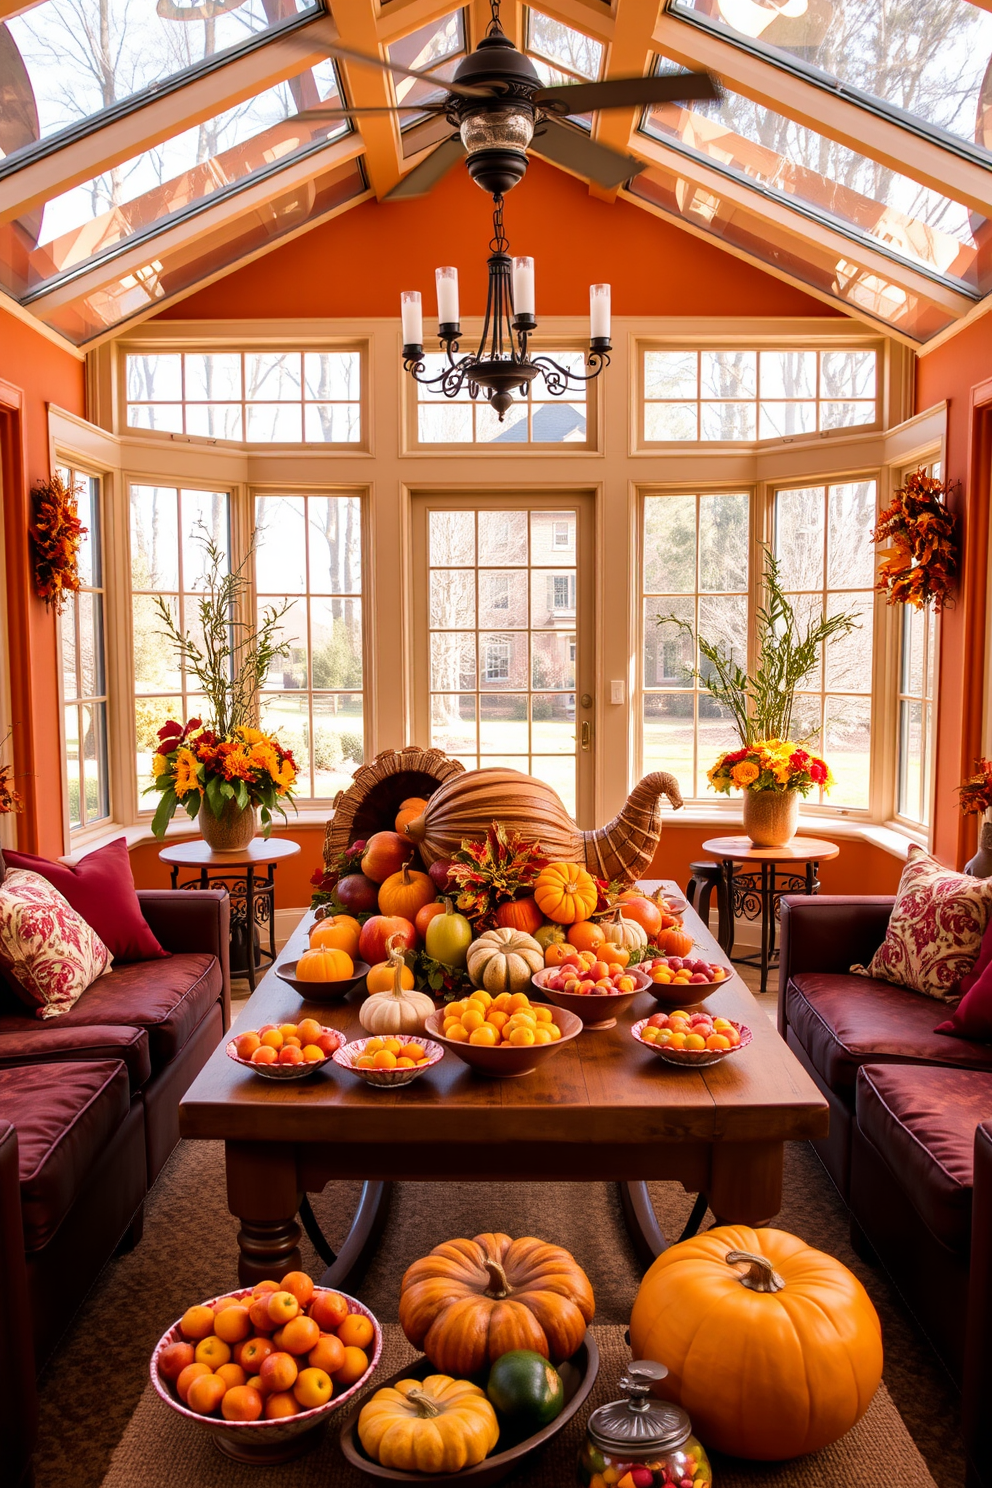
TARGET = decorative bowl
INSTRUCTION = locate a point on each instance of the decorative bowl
(387, 1078)
(266, 1441)
(686, 994)
(321, 991)
(579, 1376)
(504, 1061)
(694, 1058)
(283, 1071)
(596, 1009)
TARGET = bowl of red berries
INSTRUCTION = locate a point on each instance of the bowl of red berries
(597, 994)
(675, 980)
(692, 1039)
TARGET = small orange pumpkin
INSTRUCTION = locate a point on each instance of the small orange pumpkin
(410, 809)
(325, 965)
(586, 935)
(676, 942)
(336, 933)
(566, 892)
(405, 892)
(520, 914)
(382, 976)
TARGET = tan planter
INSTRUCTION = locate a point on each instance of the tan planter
(232, 832)
(771, 817)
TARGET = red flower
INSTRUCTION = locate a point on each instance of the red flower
(799, 760)
(817, 771)
(736, 757)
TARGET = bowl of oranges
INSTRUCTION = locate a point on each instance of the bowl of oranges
(261, 1367)
(693, 1039)
(504, 1035)
(389, 1061)
(284, 1051)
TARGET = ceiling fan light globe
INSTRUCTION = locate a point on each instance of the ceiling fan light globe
(504, 127)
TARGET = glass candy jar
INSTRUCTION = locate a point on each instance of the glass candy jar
(639, 1442)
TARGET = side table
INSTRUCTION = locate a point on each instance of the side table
(791, 869)
(252, 899)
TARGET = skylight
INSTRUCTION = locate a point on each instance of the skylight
(66, 62)
(930, 58)
(563, 55)
(437, 47)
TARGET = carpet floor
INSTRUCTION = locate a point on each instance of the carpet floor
(97, 1380)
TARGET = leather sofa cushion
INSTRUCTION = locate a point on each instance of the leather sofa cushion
(167, 998)
(65, 1114)
(922, 1121)
(846, 1021)
(50, 1043)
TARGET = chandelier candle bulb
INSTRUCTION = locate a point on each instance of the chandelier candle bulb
(447, 296)
(412, 316)
(523, 290)
(599, 315)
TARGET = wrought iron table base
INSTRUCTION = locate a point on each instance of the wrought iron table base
(753, 895)
(252, 906)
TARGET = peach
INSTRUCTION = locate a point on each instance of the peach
(356, 1331)
(262, 1287)
(313, 1388)
(312, 1054)
(327, 1353)
(299, 1336)
(273, 1038)
(174, 1358)
(212, 1351)
(197, 1322)
(328, 1310)
(328, 1042)
(205, 1394)
(254, 1352)
(231, 1374)
(288, 1030)
(241, 1403)
(259, 1314)
(264, 1055)
(189, 1374)
(281, 1404)
(246, 1044)
(300, 1284)
(291, 1054)
(309, 1030)
(233, 1324)
(278, 1372)
(282, 1306)
(354, 1366)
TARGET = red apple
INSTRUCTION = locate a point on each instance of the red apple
(385, 853)
(377, 931)
(358, 894)
(440, 872)
(174, 1358)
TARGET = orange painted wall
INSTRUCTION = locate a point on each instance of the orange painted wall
(358, 263)
(44, 374)
(950, 373)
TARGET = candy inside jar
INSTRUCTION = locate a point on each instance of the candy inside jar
(638, 1442)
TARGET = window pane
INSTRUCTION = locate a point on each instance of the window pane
(570, 50)
(502, 597)
(843, 415)
(911, 760)
(846, 743)
(213, 376)
(723, 542)
(503, 726)
(89, 607)
(452, 537)
(503, 660)
(799, 537)
(335, 524)
(154, 379)
(851, 517)
(433, 47)
(546, 545)
(513, 429)
(788, 374)
(847, 374)
(669, 733)
(453, 726)
(552, 599)
(166, 418)
(670, 421)
(156, 667)
(503, 537)
(289, 672)
(215, 420)
(553, 726)
(669, 653)
(726, 421)
(728, 374)
(338, 741)
(332, 423)
(154, 538)
(332, 375)
(288, 715)
(94, 742)
(847, 659)
(281, 555)
(67, 639)
(452, 598)
(150, 714)
(203, 518)
(273, 376)
(273, 423)
(452, 661)
(336, 639)
(670, 544)
(71, 716)
(552, 659)
(786, 420)
(91, 543)
(671, 374)
(447, 424)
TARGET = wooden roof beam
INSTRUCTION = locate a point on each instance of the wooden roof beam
(370, 87)
(630, 54)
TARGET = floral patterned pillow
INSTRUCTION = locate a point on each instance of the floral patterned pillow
(935, 930)
(48, 951)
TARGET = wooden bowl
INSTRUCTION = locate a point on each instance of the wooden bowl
(686, 994)
(283, 1071)
(265, 1441)
(596, 1009)
(579, 1376)
(505, 1061)
(387, 1079)
(693, 1058)
(321, 991)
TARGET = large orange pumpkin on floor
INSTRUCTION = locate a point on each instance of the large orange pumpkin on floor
(773, 1348)
(470, 1301)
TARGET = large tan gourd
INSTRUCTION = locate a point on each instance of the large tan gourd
(504, 960)
(465, 805)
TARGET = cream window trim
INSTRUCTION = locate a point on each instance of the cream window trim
(949, 332)
(821, 109)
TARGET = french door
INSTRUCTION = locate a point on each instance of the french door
(504, 647)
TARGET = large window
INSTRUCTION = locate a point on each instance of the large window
(695, 567)
(259, 397)
(822, 538)
(733, 394)
(84, 667)
(309, 553)
(538, 418)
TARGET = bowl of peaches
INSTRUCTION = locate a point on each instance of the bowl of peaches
(595, 990)
(673, 980)
(263, 1367)
(691, 1038)
(285, 1051)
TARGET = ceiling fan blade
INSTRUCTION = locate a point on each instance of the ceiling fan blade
(632, 92)
(346, 54)
(313, 115)
(573, 149)
(426, 175)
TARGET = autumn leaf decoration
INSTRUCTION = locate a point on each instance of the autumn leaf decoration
(56, 532)
(10, 800)
(920, 563)
(503, 866)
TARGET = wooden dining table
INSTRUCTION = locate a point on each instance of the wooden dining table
(602, 1109)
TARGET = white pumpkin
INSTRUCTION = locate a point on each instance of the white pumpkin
(630, 935)
(401, 1009)
(504, 960)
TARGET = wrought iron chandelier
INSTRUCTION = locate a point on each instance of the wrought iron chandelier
(501, 364)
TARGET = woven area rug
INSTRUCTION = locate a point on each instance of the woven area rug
(161, 1449)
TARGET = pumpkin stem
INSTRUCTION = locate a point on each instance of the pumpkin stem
(426, 1405)
(396, 961)
(499, 1287)
(760, 1276)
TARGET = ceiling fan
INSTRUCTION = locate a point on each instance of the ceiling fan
(499, 108)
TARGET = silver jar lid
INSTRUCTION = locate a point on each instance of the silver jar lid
(637, 1422)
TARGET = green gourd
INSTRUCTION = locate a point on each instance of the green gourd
(526, 1389)
(448, 937)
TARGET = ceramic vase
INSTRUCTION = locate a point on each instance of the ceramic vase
(771, 817)
(231, 832)
(981, 864)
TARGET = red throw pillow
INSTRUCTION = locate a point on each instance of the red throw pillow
(100, 888)
(972, 1018)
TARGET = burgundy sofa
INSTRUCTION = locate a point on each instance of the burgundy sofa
(910, 1142)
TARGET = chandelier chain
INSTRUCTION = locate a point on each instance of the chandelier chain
(498, 243)
(494, 29)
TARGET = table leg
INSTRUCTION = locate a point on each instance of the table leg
(746, 1181)
(250, 926)
(767, 911)
(204, 879)
(728, 889)
(811, 868)
(263, 1192)
(646, 1235)
(272, 912)
(174, 875)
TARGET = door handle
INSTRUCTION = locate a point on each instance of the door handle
(586, 735)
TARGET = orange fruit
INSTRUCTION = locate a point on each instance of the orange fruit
(404, 1063)
(385, 1059)
(313, 1387)
(542, 1036)
(259, 1314)
(213, 1352)
(518, 1001)
(356, 1331)
(281, 1404)
(197, 1322)
(472, 1019)
(189, 1374)
(241, 1403)
(254, 1352)
(205, 1394)
(355, 1365)
(328, 1310)
(231, 1374)
(299, 1336)
(308, 1030)
(485, 1035)
(456, 1033)
(586, 936)
(413, 1051)
(313, 1055)
(278, 1372)
(246, 1044)
(365, 1061)
(327, 1354)
(233, 1324)
(262, 1288)
(299, 1283)
(282, 1306)
(522, 1036)
(272, 1038)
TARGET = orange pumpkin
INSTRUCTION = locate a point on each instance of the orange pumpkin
(676, 942)
(774, 1349)
(520, 914)
(382, 976)
(555, 953)
(644, 910)
(410, 809)
(405, 892)
(470, 1301)
(586, 936)
(325, 965)
(336, 933)
(566, 892)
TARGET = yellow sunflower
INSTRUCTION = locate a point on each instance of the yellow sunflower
(186, 773)
(159, 765)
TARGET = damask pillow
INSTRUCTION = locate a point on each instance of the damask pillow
(48, 951)
(935, 930)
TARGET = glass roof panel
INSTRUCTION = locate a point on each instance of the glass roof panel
(860, 289)
(439, 45)
(831, 182)
(152, 189)
(65, 62)
(930, 58)
(126, 295)
(571, 54)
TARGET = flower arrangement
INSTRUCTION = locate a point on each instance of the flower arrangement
(503, 866)
(10, 800)
(919, 566)
(975, 795)
(193, 764)
(56, 533)
(770, 765)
